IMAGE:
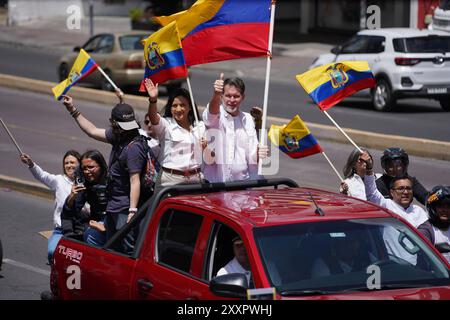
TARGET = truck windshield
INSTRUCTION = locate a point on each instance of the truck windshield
(432, 44)
(337, 256)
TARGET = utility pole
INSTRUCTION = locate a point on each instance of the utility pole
(91, 17)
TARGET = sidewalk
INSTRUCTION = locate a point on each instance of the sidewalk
(53, 35)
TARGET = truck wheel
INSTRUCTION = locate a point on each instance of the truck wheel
(445, 103)
(382, 97)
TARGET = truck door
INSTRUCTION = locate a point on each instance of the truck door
(167, 268)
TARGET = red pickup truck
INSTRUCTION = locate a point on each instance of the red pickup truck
(305, 243)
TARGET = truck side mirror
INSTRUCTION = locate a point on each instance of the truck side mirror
(233, 285)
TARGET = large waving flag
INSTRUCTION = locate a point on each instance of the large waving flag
(329, 84)
(83, 66)
(217, 30)
(163, 53)
(294, 139)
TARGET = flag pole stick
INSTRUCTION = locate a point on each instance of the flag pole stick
(332, 166)
(116, 88)
(11, 136)
(339, 128)
(266, 86)
(194, 109)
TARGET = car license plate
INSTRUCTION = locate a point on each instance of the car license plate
(437, 90)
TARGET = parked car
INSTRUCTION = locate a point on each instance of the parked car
(294, 238)
(120, 55)
(441, 17)
(405, 62)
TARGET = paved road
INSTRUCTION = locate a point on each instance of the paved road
(45, 130)
(25, 273)
(415, 118)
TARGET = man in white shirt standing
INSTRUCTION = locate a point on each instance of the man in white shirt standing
(232, 136)
(401, 191)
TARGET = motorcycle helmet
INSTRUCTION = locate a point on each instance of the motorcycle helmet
(438, 194)
(392, 154)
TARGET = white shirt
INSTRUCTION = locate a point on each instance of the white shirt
(414, 214)
(181, 148)
(235, 267)
(441, 236)
(356, 187)
(234, 142)
(60, 184)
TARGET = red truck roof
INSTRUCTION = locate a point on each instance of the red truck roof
(264, 207)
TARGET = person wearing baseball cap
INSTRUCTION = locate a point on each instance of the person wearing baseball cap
(126, 162)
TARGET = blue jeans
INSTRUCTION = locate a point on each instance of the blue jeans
(94, 237)
(53, 242)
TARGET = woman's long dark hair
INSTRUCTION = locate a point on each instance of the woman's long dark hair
(351, 161)
(183, 93)
(100, 160)
(72, 153)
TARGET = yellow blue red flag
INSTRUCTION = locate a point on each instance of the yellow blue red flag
(163, 54)
(217, 30)
(294, 139)
(82, 67)
(329, 84)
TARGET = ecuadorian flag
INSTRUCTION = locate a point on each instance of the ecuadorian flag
(329, 84)
(163, 54)
(217, 30)
(83, 66)
(294, 139)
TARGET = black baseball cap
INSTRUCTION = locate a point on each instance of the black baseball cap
(123, 114)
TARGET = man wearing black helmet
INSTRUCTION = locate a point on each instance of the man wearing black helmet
(394, 162)
(436, 229)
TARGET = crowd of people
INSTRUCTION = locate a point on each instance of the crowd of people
(396, 190)
(93, 199)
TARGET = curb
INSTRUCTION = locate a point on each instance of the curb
(414, 146)
(25, 186)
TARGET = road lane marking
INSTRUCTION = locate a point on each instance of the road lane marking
(27, 267)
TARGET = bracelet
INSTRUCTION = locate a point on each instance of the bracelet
(75, 113)
(153, 101)
(132, 210)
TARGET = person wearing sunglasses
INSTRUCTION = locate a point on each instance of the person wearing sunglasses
(354, 172)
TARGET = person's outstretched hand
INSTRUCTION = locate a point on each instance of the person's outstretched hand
(120, 95)
(68, 103)
(218, 85)
(27, 160)
(152, 89)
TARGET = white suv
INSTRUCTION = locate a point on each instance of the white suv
(405, 62)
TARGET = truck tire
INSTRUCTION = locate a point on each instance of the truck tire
(382, 96)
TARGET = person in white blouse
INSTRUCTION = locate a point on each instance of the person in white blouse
(182, 140)
(240, 262)
(354, 172)
(61, 185)
(234, 141)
